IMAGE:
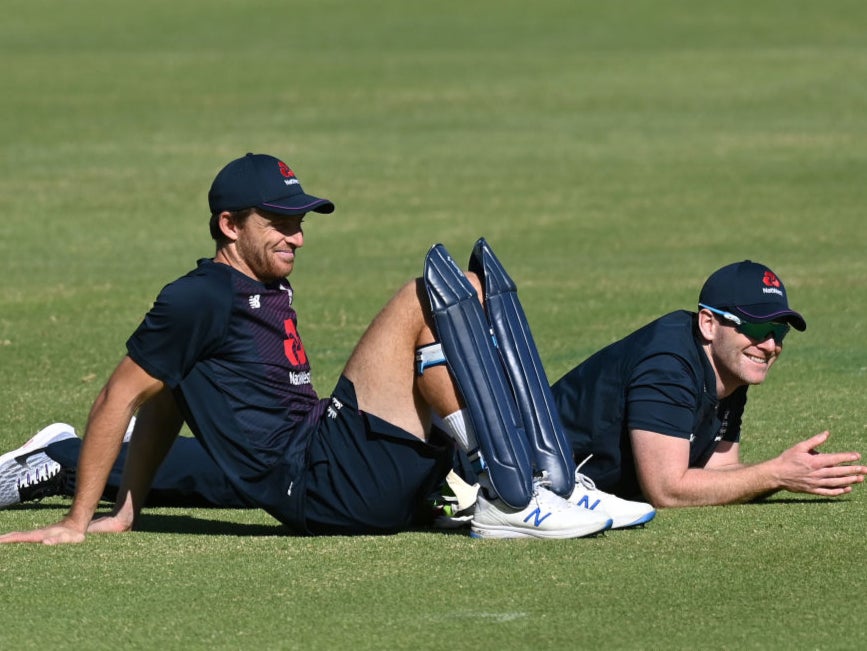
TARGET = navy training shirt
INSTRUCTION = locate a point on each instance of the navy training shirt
(228, 347)
(657, 379)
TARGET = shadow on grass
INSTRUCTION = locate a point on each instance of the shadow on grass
(191, 525)
(782, 501)
(182, 523)
(186, 524)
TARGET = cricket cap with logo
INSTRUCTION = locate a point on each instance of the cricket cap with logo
(752, 292)
(262, 181)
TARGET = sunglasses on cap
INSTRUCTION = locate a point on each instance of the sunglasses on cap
(755, 331)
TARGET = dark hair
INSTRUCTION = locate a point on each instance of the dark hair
(238, 216)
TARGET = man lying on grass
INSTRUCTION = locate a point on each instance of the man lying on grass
(659, 413)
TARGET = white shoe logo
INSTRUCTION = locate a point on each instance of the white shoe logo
(585, 503)
(537, 516)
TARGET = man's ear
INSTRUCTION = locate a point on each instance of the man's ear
(228, 226)
(707, 324)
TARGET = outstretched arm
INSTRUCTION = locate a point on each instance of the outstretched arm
(662, 464)
(128, 388)
(157, 426)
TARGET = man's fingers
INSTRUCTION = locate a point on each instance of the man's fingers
(36, 536)
(17, 536)
(849, 474)
(834, 480)
(831, 492)
(813, 442)
(49, 536)
(839, 459)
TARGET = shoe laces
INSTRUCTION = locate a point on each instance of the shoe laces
(583, 479)
(544, 497)
(541, 481)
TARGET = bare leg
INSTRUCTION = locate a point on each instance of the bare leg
(382, 366)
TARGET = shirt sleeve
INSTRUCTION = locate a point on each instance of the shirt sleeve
(187, 321)
(662, 396)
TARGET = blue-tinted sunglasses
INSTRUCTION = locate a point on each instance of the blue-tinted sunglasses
(756, 331)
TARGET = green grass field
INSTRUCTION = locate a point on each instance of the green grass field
(613, 153)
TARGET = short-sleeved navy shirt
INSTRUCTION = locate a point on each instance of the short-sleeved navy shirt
(657, 379)
(228, 347)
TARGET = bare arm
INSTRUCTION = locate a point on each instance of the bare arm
(158, 423)
(662, 464)
(126, 390)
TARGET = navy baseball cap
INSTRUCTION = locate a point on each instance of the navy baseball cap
(751, 291)
(262, 181)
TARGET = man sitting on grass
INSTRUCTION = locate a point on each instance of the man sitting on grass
(220, 350)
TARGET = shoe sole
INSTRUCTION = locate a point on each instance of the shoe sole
(501, 533)
(644, 519)
(619, 523)
(42, 439)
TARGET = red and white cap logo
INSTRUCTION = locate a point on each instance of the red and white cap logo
(770, 279)
(285, 170)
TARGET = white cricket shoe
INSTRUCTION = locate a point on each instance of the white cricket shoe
(27, 473)
(547, 516)
(624, 513)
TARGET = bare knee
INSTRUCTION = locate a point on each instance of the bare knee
(476, 283)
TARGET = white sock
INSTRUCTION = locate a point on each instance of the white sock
(459, 426)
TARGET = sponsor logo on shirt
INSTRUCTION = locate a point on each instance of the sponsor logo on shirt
(292, 346)
(334, 407)
(255, 301)
(724, 425)
(298, 379)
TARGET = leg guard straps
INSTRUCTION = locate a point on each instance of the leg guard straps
(517, 349)
(427, 356)
(464, 333)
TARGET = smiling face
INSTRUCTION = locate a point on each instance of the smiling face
(263, 245)
(737, 359)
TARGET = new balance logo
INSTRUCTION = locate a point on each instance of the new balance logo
(537, 516)
(255, 301)
(585, 502)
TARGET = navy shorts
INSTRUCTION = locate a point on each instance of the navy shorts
(365, 475)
